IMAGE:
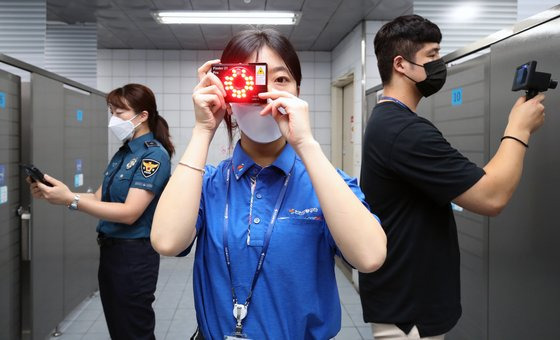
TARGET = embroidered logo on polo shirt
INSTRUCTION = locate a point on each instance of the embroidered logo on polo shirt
(309, 213)
(149, 167)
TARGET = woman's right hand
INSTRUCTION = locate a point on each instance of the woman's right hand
(208, 99)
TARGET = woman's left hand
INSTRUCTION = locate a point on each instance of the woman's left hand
(294, 125)
(57, 194)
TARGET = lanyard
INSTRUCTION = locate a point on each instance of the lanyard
(396, 101)
(240, 310)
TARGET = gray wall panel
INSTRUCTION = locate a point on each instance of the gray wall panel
(472, 226)
(471, 143)
(63, 268)
(426, 108)
(9, 222)
(470, 126)
(524, 252)
(473, 246)
(46, 142)
(80, 247)
(472, 108)
(478, 158)
(471, 92)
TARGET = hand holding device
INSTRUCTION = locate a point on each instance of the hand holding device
(35, 174)
(528, 79)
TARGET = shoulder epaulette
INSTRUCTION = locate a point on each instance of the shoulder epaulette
(151, 143)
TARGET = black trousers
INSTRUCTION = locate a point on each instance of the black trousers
(128, 272)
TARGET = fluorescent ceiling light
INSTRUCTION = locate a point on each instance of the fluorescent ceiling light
(228, 17)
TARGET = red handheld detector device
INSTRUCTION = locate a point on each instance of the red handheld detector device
(243, 82)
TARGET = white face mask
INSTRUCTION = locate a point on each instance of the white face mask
(261, 129)
(122, 129)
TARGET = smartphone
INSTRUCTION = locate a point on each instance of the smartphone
(243, 82)
(35, 174)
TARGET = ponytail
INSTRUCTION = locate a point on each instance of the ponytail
(161, 133)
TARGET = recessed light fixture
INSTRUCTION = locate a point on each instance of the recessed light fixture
(228, 17)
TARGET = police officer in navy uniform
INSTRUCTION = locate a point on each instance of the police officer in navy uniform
(125, 204)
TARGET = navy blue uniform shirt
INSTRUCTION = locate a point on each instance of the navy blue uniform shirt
(141, 163)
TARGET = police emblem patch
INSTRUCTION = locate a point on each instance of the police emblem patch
(149, 167)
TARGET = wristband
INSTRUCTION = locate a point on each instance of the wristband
(517, 139)
(202, 171)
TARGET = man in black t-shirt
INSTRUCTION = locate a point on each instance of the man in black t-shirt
(411, 174)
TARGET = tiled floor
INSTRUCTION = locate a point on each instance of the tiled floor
(174, 308)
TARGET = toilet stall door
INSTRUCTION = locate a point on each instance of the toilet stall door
(9, 202)
(43, 145)
(524, 273)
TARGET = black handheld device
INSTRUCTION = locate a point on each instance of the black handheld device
(34, 173)
(532, 82)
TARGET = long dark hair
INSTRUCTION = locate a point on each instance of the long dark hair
(243, 44)
(140, 98)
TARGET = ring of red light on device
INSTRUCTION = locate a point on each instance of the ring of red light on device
(239, 82)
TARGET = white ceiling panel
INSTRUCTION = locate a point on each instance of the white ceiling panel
(284, 5)
(395, 7)
(171, 4)
(240, 5)
(216, 36)
(127, 4)
(209, 5)
(189, 37)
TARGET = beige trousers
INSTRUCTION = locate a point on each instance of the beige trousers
(386, 331)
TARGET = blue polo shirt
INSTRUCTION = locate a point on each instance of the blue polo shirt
(141, 163)
(296, 296)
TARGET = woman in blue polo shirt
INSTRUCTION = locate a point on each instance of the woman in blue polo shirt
(125, 204)
(270, 219)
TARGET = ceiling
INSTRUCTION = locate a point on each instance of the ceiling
(129, 23)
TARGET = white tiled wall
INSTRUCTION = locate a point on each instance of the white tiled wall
(346, 59)
(372, 73)
(172, 76)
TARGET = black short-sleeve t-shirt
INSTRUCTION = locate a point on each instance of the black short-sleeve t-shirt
(409, 175)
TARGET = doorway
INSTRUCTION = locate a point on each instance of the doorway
(342, 129)
(347, 129)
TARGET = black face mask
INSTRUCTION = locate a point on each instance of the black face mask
(436, 74)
